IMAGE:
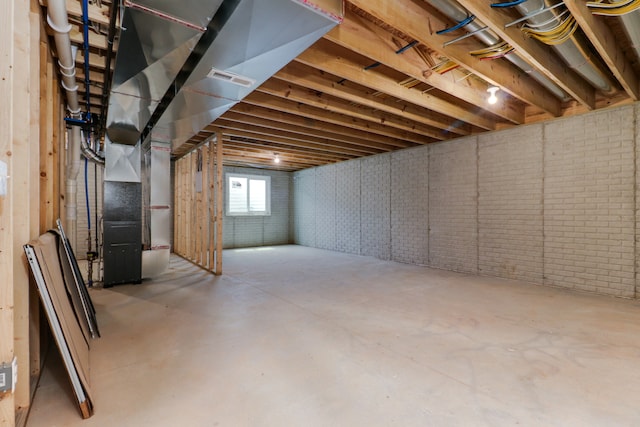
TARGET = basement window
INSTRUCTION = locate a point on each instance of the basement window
(248, 195)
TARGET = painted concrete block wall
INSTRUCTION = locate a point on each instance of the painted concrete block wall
(510, 192)
(325, 207)
(375, 212)
(304, 188)
(589, 221)
(555, 203)
(409, 192)
(453, 198)
(247, 231)
(348, 207)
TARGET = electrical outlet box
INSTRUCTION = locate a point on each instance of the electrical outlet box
(8, 376)
(3, 178)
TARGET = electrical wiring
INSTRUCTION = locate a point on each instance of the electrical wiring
(445, 67)
(614, 8)
(556, 35)
(496, 51)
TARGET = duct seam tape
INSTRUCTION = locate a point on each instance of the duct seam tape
(3, 179)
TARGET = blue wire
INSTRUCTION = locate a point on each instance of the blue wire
(508, 4)
(459, 25)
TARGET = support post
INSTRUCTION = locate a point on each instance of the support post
(219, 202)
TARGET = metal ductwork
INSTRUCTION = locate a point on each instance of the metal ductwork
(181, 65)
(457, 13)
(631, 25)
(572, 51)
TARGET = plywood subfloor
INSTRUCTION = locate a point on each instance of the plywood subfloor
(293, 336)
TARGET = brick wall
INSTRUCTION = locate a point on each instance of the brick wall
(555, 203)
(348, 207)
(453, 213)
(325, 194)
(410, 206)
(589, 217)
(510, 203)
(375, 212)
(304, 189)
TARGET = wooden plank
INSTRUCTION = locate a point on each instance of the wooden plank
(316, 126)
(397, 138)
(212, 198)
(219, 202)
(324, 55)
(328, 102)
(8, 22)
(25, 204)
(379, 45)
(36, 211)
(539, 55)
(315, 80)
(204, 212)
(416, 22)
(197, 206)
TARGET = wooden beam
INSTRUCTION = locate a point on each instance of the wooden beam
(302, 95)
(10, 20)
(379, 45)
(312, 78)
(329, 137)
(315, 125)
(397, 137)
(219, 202)
(97, 14)
(542, 57)
(210, 146)
(602, 38)
(416, 22)
(97, 41)
(318, 145)
(333, 59)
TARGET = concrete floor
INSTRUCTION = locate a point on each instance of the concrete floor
(293, 336)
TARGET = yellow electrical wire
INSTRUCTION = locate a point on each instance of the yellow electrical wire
(498, 50)
(614, 8)
(556, 35)
(445, 67)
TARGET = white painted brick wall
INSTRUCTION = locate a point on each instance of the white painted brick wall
(348, 207)
(304, 187)
(510, 203)
(486, 203)
(410, 205)
(453, 189)
(326, 207)
(375, 213)
(589, 202)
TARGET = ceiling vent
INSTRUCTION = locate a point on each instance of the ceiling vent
(231, 78)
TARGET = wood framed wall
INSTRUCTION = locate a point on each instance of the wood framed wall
(198, 206)
(31, 132)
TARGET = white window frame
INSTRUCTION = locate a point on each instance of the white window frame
(265, 178)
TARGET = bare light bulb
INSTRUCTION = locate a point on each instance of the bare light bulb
(276, 159)
(493, 98)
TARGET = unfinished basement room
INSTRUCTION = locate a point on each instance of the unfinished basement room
(252, 213)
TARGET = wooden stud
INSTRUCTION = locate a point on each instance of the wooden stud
(212, 213)
(219, 202)
(7, 90)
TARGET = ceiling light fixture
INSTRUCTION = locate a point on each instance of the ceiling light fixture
(276, 159)
(493, 98)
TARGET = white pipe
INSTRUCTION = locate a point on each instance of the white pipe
(59, 21)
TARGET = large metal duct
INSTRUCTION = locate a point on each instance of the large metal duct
(631, 25)
(179, 66)
(572, 51)
(453, 10)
